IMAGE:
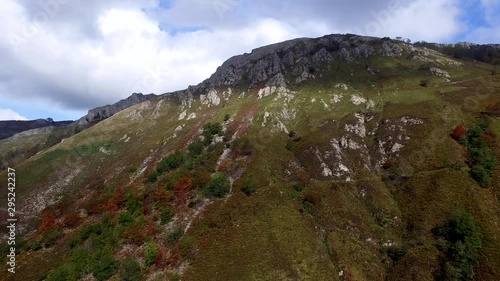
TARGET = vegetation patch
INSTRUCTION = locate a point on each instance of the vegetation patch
(460, 240)
(483, 160)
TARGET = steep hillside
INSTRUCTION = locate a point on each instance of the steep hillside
(336, 158)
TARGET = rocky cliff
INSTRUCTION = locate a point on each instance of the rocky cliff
(101, 113)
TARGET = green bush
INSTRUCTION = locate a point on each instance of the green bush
(218, 187)
(423, 83)
(50, 238)
(150, 253)
(125, 218)
(212, 128)
(171, 162)
(481, 175)
(36, 245)
(396, 252)
(461, 245)
(153, 176)
(482, 157)
(249, 186)
(166, 214)
(60, 274)
(133, 204)
(174, 235)
(130, 270)
(81, 260)
(209, 130)
(196, 148)
(104, 265)
(227, 117)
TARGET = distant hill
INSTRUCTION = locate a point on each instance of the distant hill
(10, 128)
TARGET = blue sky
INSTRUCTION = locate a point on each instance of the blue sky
(61, 58)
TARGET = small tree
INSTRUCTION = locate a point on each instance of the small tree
(196, 148)
(153, 176)
(218, 187)
(174, 235)
(104, 265)
(150, 253)
(423, 83)
(249, 186)
(462, 241)
(130, 270)
(171, 162)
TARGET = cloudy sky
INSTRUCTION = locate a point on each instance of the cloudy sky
(59, 58)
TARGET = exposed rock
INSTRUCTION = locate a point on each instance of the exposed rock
(182, 115)
(322, 56)
(390, 49)
(344, 54)
(363, 51)
(210, 99)
(33, 132)
(304, 77)
(278, 80)
(357, 100)
(342, 87)
(439, 72)
(101, 113)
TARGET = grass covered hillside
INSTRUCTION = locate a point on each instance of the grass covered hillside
(336, 158)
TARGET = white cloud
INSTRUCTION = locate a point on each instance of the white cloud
(8, 114)
(91, 53)
(133, 55)
(435, 21)
(491, 32)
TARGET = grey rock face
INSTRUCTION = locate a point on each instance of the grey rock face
(344, 54)
(101, 113)
(322, 56)
(296, 59)
(390, 49)
(363, 51)
(278, 80)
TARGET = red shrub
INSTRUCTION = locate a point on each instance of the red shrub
(162, 195)
(175, 256)
(388, 164)
(183, 185)
(134, 234)
(72, 220)
(48, 222)
(162, 258)
(459, 132)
